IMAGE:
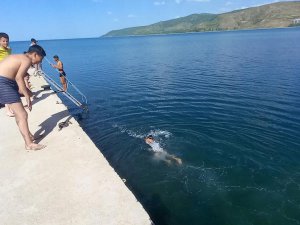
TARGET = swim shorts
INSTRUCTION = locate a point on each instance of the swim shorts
(9, 91)
(62, 74)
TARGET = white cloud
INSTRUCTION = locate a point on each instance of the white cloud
(131, 16)
(178, 1)
(159, 3)
(109, 13)
(228, 3)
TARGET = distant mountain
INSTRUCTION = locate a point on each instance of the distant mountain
(281, 14)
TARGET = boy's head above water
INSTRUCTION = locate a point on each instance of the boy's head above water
(149, 139)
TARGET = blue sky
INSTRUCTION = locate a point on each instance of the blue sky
(62, 19)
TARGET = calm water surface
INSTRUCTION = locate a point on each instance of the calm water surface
(227, 104)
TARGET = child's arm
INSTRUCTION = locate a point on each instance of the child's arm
(22, 71)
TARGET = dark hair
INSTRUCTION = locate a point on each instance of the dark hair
(150, 137)
(33, 40)
(55, 57)
(37, 49)
(4, 35)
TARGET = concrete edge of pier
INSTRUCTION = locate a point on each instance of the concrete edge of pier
(68, 182)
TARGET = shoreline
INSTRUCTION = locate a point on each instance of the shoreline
(200, 32)
(145, 35)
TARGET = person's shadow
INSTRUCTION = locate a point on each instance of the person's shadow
(49, 124)
(43, 96)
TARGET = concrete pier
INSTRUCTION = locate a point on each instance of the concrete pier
(68, 182)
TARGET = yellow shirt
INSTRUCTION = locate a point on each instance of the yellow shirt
(4, 52)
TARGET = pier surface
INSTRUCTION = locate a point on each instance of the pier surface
(68, 182)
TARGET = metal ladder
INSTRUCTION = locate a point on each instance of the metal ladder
(82, 104)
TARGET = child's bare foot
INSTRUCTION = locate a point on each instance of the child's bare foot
(34, 146)
(178, 160)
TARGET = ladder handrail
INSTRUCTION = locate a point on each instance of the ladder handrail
(83, 97)
(66, 93)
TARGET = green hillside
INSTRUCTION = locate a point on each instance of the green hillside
(274, 15)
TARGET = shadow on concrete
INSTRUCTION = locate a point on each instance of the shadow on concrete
(43, 96)
(49, 124)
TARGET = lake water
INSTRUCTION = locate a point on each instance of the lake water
(226, 103)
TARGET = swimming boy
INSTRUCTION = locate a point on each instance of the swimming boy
(62, 75)
(160, 152)
(12, 71)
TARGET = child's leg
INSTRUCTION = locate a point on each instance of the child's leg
(63, 82)
(9, 112)
(22, 122)
(176, 159)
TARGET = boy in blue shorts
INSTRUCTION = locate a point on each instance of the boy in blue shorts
(62, 75)
(13, 69)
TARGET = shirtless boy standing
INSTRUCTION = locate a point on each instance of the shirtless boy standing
(62, 75)
(12, 71)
